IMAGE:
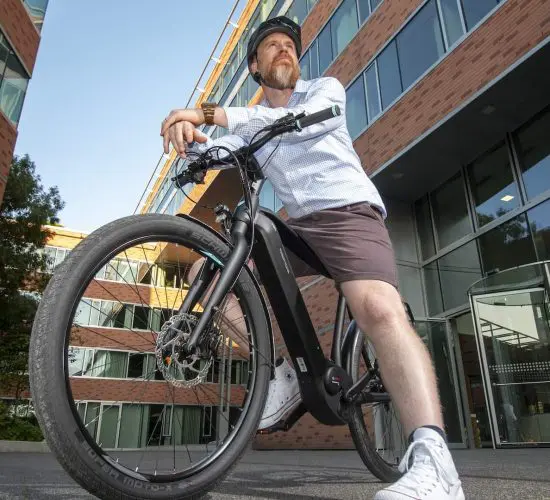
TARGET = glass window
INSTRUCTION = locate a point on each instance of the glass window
(508, 245)
(314, 60)
(539, 221)
(136, 365)
(374, 4)
(420, 44)
(450, 212)
(298, 11)
(388, 72)
(76, 358)
(82, 315)
(141, 317)
(305, 73)
(4, 54)
(50, 258)
(458, 270)
(433, 289)
(122, 315)
(325, 49)
(94, 312)
(475, 10)
(344, 25)
(12, 88)
(107, 313)
(410, 286)
(356, 107)
(451, 20)
(494, 190)
(111, 269)
(534, 155)
(424, 225)
(373, 97)
(110, 364)
(364, 10)
(37, 11)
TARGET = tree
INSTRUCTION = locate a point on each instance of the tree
(26, 209)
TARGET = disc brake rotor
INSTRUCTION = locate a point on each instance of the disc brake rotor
(177, 367)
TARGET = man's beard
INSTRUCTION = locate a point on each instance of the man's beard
(282, 76)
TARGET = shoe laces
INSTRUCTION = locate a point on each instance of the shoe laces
(429, 467)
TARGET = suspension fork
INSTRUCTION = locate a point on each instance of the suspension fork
(240, 234)
(200, 284)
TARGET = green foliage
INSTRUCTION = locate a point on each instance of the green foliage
(25, 210)
(13, 428)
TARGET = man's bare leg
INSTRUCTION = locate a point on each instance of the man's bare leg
(404, 360)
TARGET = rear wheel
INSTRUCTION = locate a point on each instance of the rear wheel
(126, 412)
(375, 428)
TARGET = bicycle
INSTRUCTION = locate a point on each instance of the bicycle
(102, 441)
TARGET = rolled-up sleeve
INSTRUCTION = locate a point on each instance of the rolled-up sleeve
(324, 93)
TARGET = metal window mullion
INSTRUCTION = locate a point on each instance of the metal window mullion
(432, 222)
(363, 77)
(442, 24)
(378, 89)
(516, 168)
(470, 196)
(119, 420)
(462, 18)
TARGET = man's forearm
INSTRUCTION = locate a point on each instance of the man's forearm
(220, 118)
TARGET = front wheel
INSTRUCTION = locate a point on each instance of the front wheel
(375, 428)
(125, 410)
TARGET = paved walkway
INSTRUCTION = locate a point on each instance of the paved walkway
(303, 475)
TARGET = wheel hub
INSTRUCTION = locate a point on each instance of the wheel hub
(180, 368)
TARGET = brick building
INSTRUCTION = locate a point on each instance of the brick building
(448, 107)
(20, 25)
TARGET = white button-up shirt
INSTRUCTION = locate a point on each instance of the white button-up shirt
(310, 170)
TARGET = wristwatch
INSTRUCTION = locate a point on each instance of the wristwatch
(208, 109)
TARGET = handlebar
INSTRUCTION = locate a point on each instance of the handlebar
(196, 170)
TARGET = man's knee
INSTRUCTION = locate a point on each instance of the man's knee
(374, 303)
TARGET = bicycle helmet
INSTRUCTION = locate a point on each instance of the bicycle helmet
(281, 24)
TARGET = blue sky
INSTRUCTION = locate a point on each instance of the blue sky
(106, 75)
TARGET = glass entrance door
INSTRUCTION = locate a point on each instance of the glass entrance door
(513, 336)
(435, 335)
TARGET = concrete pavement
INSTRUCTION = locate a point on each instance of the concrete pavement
(303, 475)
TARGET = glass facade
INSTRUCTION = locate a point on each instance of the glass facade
(455, 243)
(13, 82)
(533, 148)
(432, 32)
(493, 187)
(37, 11)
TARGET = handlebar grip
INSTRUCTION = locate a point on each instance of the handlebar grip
(320, 116)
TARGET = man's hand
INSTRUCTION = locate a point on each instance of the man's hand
(178, 128)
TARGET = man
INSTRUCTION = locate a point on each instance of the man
(337, 210)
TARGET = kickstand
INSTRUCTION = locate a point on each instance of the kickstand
(285, 425)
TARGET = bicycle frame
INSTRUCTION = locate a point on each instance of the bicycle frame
(321, 380)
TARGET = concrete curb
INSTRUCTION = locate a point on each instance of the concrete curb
(23, 447)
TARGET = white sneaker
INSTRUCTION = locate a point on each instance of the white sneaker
(284, 395)
(432, 475)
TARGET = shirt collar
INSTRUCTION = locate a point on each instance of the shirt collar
(302, 86)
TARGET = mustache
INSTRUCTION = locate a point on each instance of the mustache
(281, 57)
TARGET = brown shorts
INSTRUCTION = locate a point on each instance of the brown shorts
(352, 242)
